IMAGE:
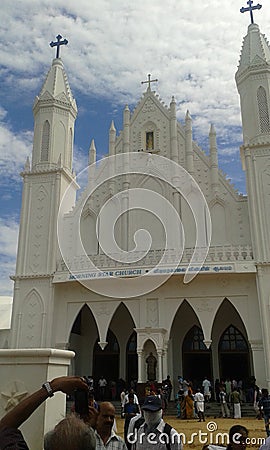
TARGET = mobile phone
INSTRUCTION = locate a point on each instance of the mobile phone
(81, 402)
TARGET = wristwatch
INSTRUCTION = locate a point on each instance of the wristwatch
(48, 388)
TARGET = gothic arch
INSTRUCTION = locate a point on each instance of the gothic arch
(185, 318)
(82, 334)
(233, 347)
(228, 316)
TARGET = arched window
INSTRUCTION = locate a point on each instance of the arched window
(45, 142)
(194, 340)
(232, 340)
(263, 110)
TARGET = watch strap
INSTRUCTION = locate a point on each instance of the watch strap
(48, 388)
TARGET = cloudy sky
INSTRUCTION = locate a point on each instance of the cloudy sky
(192, 47)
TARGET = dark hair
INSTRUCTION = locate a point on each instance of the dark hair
(234, 430)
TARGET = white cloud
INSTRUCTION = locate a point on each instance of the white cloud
(14, 148)
(9, 230)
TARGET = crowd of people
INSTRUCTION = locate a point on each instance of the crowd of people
(94, 427)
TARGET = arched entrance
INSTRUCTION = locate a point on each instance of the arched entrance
(234, 360)
(132, 358)
(106, 362)
(197, 359)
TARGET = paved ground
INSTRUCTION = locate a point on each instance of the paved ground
(210, 427)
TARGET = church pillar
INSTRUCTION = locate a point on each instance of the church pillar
(159, 352)
(257, 355)
(139, 353)
(165, 361)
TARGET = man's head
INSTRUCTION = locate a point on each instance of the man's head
(105, 418)
(152, 409)
(131, 397)
(71, 434)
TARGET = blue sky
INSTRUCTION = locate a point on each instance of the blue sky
(193, 51)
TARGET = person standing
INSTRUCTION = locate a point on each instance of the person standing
(235, 399)
(131, 409)
(223, 403)
(154, 432)
(199, 402)
(102, 383)
(206, 389)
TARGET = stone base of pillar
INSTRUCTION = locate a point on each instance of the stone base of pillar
(23, 371)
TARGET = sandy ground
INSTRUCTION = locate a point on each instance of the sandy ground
(211, 428)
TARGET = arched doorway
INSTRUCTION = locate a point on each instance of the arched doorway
(197, 359)
(234, 360)
(132, 358)
(106, 362)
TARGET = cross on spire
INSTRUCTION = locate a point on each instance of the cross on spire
(250, 8)
(149, 81)
(58, 43)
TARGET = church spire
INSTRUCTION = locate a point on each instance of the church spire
(55, 111)
(253, 83)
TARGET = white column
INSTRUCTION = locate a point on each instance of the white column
(159, 352)
(139, 353)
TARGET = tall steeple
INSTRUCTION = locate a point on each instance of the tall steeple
(253, 83)
(45, 184)
(55, 111)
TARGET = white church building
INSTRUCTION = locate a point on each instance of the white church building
(89, 299)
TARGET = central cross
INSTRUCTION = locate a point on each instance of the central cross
(149, 81)
(58, 43)
(250, 8)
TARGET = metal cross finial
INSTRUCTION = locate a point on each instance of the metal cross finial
(250, 9)
(149, 81)
(58, 43)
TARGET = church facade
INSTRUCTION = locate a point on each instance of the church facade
(70, 293)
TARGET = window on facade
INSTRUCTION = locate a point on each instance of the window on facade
(263, 110)
(232, 340)
(45, 142)
(194, 340)
(149, 140)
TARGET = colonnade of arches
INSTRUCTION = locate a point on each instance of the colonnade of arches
(228, 356)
